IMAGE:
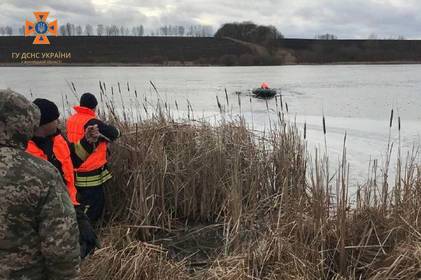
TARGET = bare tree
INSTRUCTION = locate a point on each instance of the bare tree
(100, 30)
(326, 36)
(2, 31)
(122, 31)
(79, 30)
(163, 31)
(190, 32)
(181, 30)
(8, 30)
(89, 30)
(112, 30)
(138, 30)
(199, 31)
(70, 29)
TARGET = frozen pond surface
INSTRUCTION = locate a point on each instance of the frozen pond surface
(356, 99)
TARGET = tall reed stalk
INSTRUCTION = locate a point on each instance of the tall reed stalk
(191, 200)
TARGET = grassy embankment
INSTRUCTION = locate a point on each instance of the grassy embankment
(191, 200)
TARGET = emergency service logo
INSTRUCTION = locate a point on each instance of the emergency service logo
(41, 28)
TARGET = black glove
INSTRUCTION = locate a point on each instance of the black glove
(87, 237)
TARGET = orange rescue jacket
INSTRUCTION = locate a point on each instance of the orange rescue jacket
(75, 129)
(62, 153)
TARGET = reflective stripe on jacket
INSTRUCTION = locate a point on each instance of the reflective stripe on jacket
(91, 172)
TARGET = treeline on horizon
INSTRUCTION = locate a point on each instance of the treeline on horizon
(71, 29)
(233, 44)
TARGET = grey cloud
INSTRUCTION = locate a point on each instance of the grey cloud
(299, 18)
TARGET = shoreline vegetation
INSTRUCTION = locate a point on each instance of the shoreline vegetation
(195, 199)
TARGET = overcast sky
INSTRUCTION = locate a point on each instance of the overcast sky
(294, 18)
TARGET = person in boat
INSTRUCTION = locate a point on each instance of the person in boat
(264, 85)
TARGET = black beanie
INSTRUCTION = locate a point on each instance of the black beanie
(49, 110)
(88, 100)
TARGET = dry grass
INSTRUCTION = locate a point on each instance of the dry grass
(191, 200)
(122, 258)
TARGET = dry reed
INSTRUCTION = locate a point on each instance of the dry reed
(191, 200)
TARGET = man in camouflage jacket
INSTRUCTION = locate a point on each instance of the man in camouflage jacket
(38, 229)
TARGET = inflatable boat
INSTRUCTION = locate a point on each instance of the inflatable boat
(264, 93)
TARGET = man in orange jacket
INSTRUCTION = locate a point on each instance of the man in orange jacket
(49, 144)
(92, 173)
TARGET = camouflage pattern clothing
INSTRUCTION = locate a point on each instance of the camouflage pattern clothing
(38, 229)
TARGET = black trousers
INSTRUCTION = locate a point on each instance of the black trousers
(93, 198)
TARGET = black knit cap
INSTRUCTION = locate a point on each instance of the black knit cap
(88, 100)
(49, 110)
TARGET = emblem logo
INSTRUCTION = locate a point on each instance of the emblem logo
(41, 28)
